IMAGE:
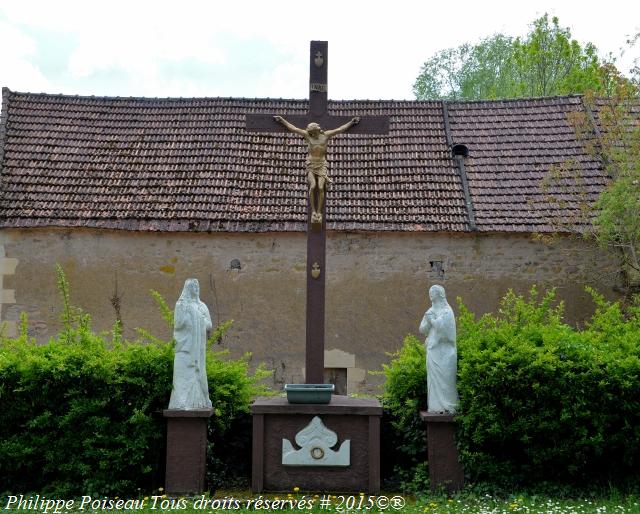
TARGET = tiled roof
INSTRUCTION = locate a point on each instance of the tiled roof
(513, 145)
(189, 164)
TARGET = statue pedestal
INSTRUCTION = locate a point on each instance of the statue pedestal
(186, 450)
(356, 420)
(445, 470)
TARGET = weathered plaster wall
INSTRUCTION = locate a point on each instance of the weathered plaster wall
(7, 296)
(376, 285)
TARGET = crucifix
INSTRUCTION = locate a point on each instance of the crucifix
(320, 127)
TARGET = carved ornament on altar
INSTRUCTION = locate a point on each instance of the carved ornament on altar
(315, 442)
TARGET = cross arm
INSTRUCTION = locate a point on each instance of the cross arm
(342, 128)
(367, 125)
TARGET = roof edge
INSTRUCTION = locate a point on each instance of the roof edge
(163, 226)
(250, 228)
(518, 99)
(4, 114)
(230, 98)
(272, 99)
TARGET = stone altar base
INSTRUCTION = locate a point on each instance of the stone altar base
(445, 470)
(354, 419)
(186, 450)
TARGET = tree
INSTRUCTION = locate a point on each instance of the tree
(635, 70)
(616, 223)
(550, 63)
(483, 70)
(547, 62)
(609, 129)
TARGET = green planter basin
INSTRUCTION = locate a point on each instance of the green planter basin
(309, 393)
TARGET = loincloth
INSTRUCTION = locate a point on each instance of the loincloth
(318, 168)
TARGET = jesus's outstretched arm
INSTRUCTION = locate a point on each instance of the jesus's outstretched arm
(343, 128)
(290, 126)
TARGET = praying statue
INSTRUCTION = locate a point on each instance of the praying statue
(317, 176)
(191, 321)
(439, 325)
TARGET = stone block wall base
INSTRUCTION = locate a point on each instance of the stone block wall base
(445, 470)
(186, 450)
(356, 419)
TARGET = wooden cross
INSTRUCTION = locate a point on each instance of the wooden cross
(317, 236)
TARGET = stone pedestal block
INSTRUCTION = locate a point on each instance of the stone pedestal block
(445, 470)
(186, 450)
(352, 419)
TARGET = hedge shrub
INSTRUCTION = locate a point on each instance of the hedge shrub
(540, 401)
(83, 413)
(404, 448)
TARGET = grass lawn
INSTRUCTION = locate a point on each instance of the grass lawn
(532, 504)
(462, 503)
(243, 501)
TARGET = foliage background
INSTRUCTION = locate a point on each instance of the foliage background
(547, 62)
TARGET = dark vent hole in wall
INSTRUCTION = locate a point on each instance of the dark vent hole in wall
(337, 377)
(437, 269)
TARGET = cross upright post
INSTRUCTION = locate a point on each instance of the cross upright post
(316, 232)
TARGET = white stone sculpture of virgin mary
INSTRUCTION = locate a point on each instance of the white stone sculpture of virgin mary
(191, 321)
(439, 325)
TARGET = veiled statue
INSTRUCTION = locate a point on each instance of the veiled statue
(439, 325)
(191, 323)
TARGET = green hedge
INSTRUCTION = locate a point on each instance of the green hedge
(80, 418)
(404, 451)
(83, 414)
(540, 401)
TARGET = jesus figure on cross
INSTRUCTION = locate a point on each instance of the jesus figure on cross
(317, 159)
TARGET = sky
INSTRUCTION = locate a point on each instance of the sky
(258, 49)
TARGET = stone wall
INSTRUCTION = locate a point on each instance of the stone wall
(376, 285)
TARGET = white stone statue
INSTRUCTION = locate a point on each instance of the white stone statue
(191, 321)
(439, 325)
